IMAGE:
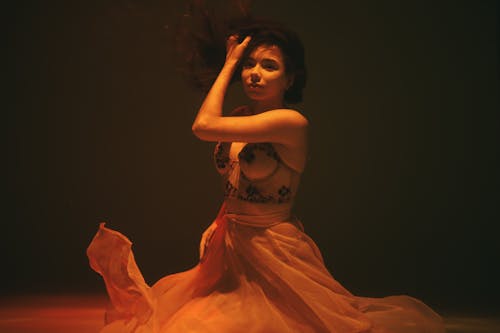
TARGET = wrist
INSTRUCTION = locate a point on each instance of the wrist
(231, 64)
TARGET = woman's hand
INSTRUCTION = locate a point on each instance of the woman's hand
(234, 50)
(205, 240)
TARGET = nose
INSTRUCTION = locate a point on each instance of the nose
(254, 77)
(255, 74)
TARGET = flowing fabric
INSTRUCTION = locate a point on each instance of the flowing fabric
(256, 275)
(258, 271)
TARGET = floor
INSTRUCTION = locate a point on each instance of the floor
(84, 314)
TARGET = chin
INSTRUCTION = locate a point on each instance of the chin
(255, 96)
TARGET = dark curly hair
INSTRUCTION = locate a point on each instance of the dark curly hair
(201, 44)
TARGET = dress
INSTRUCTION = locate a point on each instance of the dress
(258, 271)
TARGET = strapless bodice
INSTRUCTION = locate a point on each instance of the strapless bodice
(256, 179)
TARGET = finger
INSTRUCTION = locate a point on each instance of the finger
(232, 38)
(246, 40)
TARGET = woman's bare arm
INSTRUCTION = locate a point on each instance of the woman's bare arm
(280, 126)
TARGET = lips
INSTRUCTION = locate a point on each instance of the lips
(254, 85)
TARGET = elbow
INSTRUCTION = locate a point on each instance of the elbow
(200, 130)
(205, 128)
(195, 128)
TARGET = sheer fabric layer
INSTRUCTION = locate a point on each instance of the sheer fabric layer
(255, 278)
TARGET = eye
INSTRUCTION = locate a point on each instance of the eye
(249, 63)
(270, 65)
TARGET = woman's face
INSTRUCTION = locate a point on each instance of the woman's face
(263, 74)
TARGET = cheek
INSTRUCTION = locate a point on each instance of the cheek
(278, 80)
(245, 73)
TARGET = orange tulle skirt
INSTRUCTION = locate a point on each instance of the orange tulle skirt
(252, 277)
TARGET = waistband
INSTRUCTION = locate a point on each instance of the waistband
(263, 221)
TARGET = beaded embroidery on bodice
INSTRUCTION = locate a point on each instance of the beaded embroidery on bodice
(257, 175)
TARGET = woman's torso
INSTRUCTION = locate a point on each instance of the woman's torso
(257, 180)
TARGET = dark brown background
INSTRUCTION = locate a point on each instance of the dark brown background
(401, 191)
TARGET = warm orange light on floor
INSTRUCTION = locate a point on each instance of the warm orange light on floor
(52, 314)
(84, 314)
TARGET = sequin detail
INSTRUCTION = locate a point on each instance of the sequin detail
(238, 186)
(221, 156)
(247, 153)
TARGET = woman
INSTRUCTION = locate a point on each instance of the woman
(258, 270)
